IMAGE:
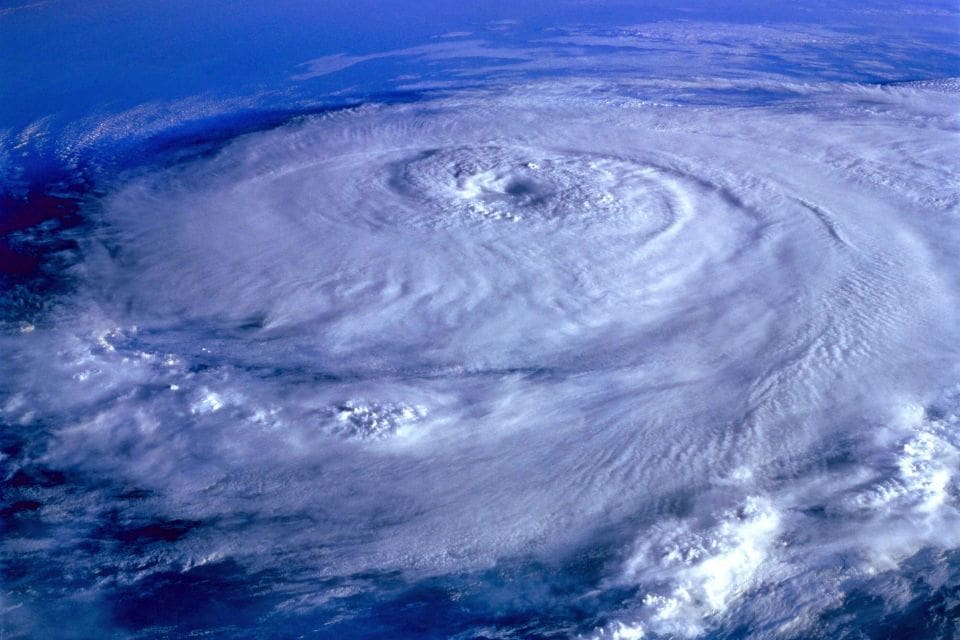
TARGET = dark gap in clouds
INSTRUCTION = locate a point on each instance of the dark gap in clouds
(36, 476)
(32, 242)
(155, 532)
(219, 596)
(922, 601)
(521, 597)
(20, 506)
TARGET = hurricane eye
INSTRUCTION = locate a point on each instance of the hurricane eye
(521, 188)
(561, 191)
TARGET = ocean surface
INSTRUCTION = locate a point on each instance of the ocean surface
(572, 320)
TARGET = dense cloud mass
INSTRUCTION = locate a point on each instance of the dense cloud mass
(566, 358)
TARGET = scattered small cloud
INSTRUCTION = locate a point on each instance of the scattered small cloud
(23, 7)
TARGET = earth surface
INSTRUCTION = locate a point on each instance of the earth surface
(489, 320)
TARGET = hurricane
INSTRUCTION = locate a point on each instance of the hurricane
(604, 332)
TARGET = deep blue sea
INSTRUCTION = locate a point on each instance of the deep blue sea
(588, 319)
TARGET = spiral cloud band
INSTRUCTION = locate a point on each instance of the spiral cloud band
(563, 359)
